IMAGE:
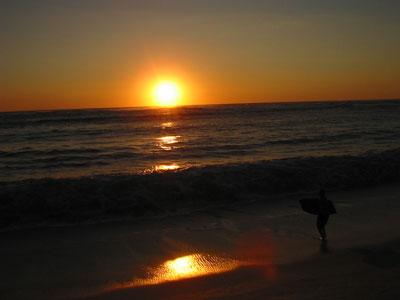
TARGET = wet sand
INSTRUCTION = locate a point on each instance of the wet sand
(273, 245)
(368, 272)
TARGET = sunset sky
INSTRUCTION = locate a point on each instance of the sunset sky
(97, 53)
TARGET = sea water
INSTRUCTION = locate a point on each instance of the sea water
(81, 143)
(79, 165)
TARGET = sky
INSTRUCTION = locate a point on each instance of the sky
(61, 54)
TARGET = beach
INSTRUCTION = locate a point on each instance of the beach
(196, 150)
(273, 244)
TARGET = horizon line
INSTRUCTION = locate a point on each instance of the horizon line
(207, 104)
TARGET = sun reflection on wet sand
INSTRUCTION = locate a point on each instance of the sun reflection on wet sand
(162, 168)
(166, 142)
(254, 250)
(194, 265)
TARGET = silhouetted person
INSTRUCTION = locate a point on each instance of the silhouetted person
(325, 209)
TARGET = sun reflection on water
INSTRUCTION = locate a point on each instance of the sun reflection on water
(166, 142)
(166, 167)
(167, 125)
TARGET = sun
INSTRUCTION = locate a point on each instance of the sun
(167, 93)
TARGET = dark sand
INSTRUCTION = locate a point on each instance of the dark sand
(99, 261)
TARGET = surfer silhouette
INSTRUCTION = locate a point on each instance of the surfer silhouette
(322, 207)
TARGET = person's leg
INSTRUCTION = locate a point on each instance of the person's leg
(321, 222)
(320, 226)
(325, 221)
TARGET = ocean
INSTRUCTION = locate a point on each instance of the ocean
(78, 143)
(157, 160)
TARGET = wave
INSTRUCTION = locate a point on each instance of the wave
(29, 152)
(272, 142)
(152, 194)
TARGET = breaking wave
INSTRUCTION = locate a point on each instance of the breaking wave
(73, 200)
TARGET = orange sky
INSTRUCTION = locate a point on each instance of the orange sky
(57, 54)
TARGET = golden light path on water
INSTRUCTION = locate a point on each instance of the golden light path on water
(184, 267)
(166, 142)
(162, 168)
(170, 167)
(167, 125)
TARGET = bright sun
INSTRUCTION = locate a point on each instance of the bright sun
(167, 93)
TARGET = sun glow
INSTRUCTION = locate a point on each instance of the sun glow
(167, 93)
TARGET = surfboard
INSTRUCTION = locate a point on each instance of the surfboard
(311, 205)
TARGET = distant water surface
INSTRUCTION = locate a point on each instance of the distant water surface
(74, 143)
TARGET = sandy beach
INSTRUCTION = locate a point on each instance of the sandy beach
(268, 248)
